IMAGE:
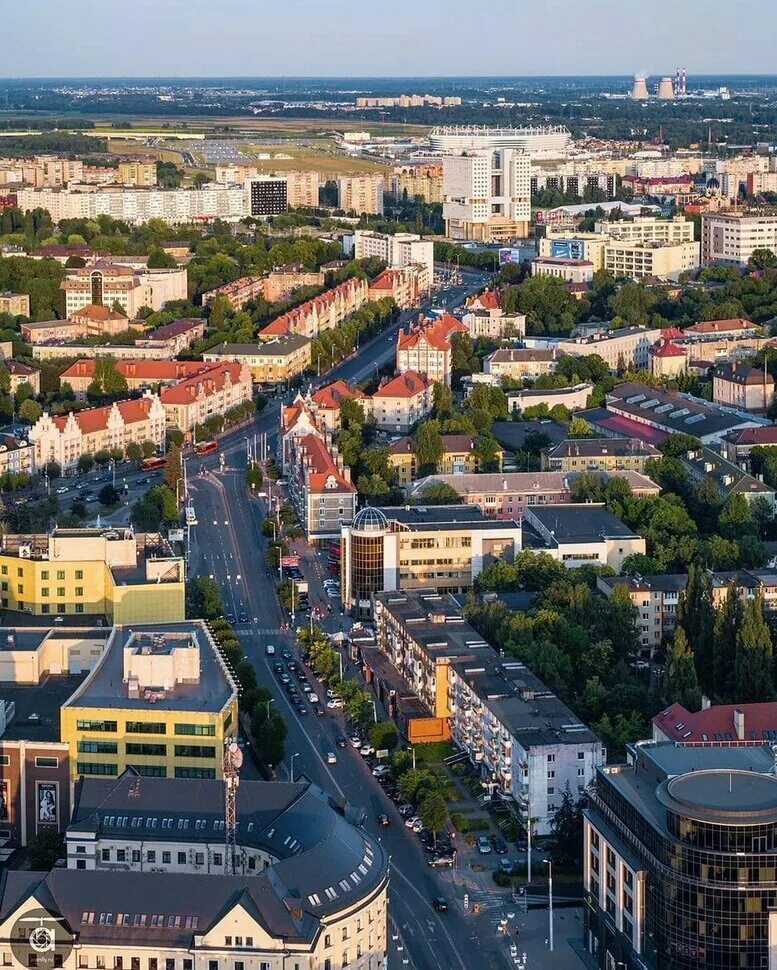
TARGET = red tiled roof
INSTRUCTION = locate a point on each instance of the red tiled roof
(408, 384)
(437, 333)
(717, 722)
(332, 396)
(96, 312)
(766, 435)
(321, 466)
(150, 370)
(286, 322)
(490, 300)
(665, 348)
(175, 328)
(671, 333)
(207, 382)
(96, 419)
(722, 326)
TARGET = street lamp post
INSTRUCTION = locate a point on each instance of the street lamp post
(550, 902)
(270, 701)
(528, 848)
(291, 768)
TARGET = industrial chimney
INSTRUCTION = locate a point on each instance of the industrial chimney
(665, 89)
(640, 92)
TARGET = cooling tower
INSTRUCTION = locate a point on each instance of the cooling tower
(639, 91)
(665, 89)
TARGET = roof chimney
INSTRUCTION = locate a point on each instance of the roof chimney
(739, 724)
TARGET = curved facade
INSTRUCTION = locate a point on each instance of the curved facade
(456, 138)
(686, 878)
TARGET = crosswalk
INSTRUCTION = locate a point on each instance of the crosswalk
(261, 631)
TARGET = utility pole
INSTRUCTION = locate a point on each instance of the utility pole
(528, 851)
(550, 902)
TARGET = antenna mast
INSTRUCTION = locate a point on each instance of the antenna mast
(233, 759)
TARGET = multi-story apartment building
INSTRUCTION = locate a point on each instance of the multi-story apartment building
(139, 374)
(50, 341)
(459, 457)
(488, 705)
(760, 182)
(425, 347)
(105, 284)
(16, 304)
(732, 174)
(174, 337)
(655, 259)
(678, 856)
(742, 387)
(301, 187)
(89, 321)
(64, 438)
(270, 361)
(215, 391)
(579, 535)
(486, 318)
(274, 286)
(598, 455)
(17, 456)
(573, 178)
(623, 349)
(138, 174)
(737, 445)
(160, 700)
(647, 229)
(507, 495)
(487, 195)
(267, 196)
(397, 251)
(401, 402)
(443, 547)
(361, 194)
(705, 464)
(731, 238)
(324, 312)
(21, 373)
(228, 203)
(518, 363)
(92, 572)
(406, 287)
(418, 181)
(320, 486)
(320, 411)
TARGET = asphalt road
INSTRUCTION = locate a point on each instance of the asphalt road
(227, 544)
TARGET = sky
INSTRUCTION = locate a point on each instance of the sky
(370, 38)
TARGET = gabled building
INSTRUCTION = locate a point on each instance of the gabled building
(401, 402)
(667, 359)
(324, 312)
(458, 457)
(213, 392)
(320, 486)
(745, 388)
(486, 318)
(426, 347)
(705, 463)
(598, 454)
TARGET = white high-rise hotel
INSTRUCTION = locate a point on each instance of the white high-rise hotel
(487, 195)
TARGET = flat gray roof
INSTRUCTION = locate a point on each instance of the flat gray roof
(579, 522)
(104, 688)
(417, 517)
(38, 707)
(722, 795)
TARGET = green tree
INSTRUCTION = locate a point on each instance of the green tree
(109, 495)
(440, 494)
(736, 519)
(566, 832)
(488, 453)
(30, 411)
(134, 451)
(148, 448)
(580, 428)
(442, 397)
(433, 813)
(428, 447)
(762, 259)
(44, 850)
(173, 474)
(203, 599)
(384, 736)
(102, 457)
(52, 470)
(696, 616)
(159, 259)
(727, 624)
(753, 676)
(682, 684)
(85, 463)
(269, 739)
(23, 392)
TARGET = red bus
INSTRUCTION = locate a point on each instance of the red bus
(206, 447)
(152, 464)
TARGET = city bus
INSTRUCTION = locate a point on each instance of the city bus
(152, 464)
(206, 447)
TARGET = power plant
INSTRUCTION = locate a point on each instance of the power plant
(665, 89)
(640, 92)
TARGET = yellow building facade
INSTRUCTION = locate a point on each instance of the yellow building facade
(127, 578)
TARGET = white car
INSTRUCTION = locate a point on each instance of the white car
(313, 697)
(270, 650)
(411, 820)
(366, 749)
(380, 770)
(331, 758)
(335, 704)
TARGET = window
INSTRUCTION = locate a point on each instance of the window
(169, 964)
(136, 855)
(195, 772)
(44, 573)
(151, 855)
(121, 855)
(106, 855)
(181, 858)
(146, 727)
(201, 730)
(195, 751)
(44, 591)
(151, 750)
(97, 747)
(79, 590)
(47, 762)
(79, 607)
(166, 857)
(84, 768)
(213, 965)
(61, 608)
(60, 591)
(238, 965)
(218, 859)
(199, 860)
(60, 574)
(79, 574)
(106, 726)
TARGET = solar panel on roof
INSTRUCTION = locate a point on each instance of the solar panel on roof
(680, 413)
(649, 404)
(664, 408)
(695, 418)
(635, 399)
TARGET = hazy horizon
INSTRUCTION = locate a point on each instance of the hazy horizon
(245, 39)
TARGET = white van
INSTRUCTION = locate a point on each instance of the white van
(270, 650)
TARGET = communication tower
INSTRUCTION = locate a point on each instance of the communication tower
(232, 762)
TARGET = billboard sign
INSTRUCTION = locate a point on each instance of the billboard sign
(508, 255)
(290, 561)
(568, 249)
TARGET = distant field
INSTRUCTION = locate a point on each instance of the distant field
(322, 158)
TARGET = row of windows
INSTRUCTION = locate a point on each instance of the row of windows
(79, 573)
(150, 771)
(149, 727)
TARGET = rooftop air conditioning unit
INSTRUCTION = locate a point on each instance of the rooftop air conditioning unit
(25, 551)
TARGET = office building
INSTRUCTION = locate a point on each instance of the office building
(267, 196)
(64, 438)
(599, 455)
(731, 238)
(459, 457)
(362, 194)
(442, 547)
(397, 251)
(92, 572)
(568, 270)
(320, 486)
(626, 348)
(425, 347)
(160, 700)
(525, 743)
(654, 259)
(108, 284)
(678, 858)
(507, 495)
(16, 304)
(487, 195)
(580, 534)
(270, 361)
(742, 387)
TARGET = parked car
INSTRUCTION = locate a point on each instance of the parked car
(484, 845)
(506, 865)
(355, 740)
(341, 741)
(411, 820)
(417, 826)
(331, 758)
(380, 770)
(499, 844)
(366, 749)
(440, 903)
(270, 650)
(313, 697)
(441, 861)
(384, 820)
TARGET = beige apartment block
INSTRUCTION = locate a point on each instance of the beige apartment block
(105, 284)
(361, 193)
(418, 181)
(271, 361)
(744, 388)
(663, 260)
(731, 238)
(17, 304)
(211, 393)
(138, 174)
